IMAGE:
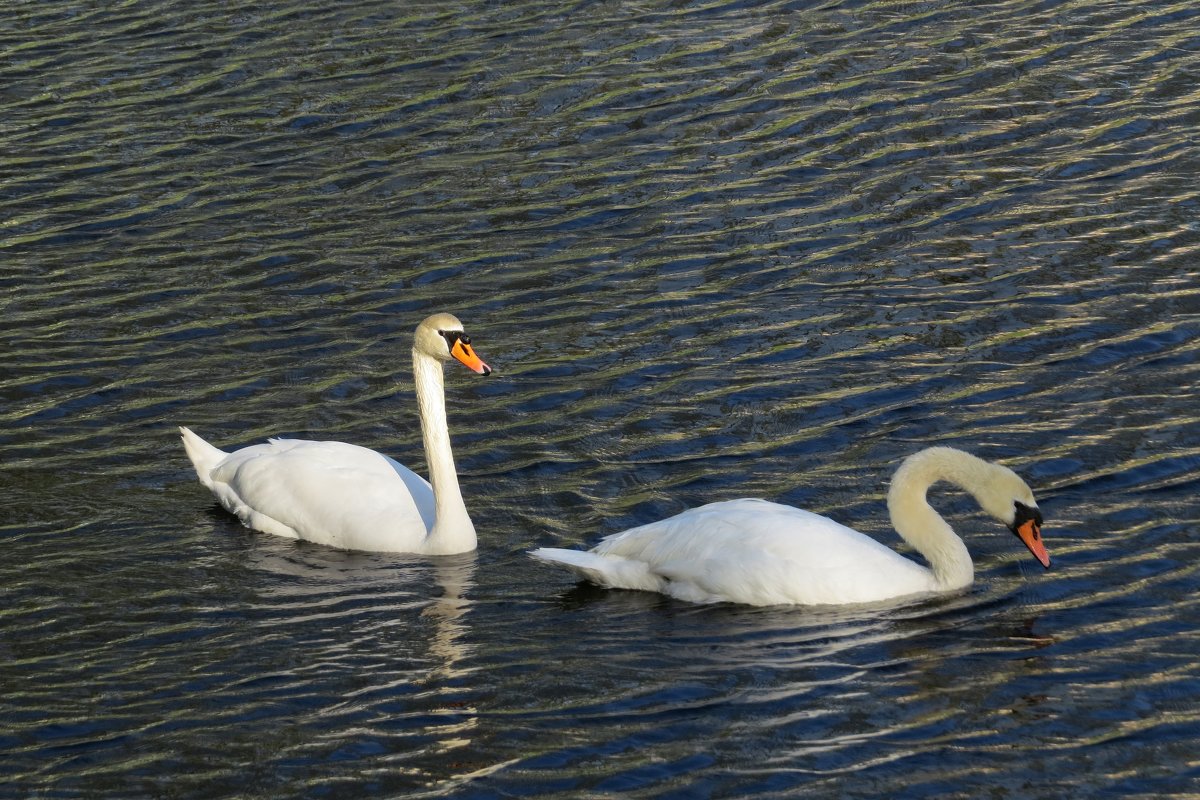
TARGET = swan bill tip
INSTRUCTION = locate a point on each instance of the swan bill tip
(462, 350)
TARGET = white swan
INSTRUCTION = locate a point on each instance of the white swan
(762, 553)
(347, 496)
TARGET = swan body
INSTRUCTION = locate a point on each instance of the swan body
(347, 496)
(761, 553)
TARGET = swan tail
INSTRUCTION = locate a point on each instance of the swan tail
(613, 572)
(204, 456)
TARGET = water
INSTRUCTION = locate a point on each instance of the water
(713, 250)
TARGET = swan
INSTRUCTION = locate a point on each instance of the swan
(347, 496)
(761, 553)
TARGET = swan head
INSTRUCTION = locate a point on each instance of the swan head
(1010, 500)
(442, 337)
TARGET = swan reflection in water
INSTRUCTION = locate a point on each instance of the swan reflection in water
(456, 576)
(387, 623)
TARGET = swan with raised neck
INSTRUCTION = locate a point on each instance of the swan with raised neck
(348, 496)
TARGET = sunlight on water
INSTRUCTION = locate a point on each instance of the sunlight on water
(712, 250)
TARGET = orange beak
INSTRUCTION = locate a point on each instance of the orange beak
(1030, 533)
(465, 354)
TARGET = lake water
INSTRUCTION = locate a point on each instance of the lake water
(713, 250)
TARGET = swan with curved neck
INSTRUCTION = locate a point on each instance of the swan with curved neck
(347, 496)
(762, 553)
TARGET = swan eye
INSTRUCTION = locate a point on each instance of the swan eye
(1025, 513)
(454, 336)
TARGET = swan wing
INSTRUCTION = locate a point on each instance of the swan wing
(331, 493)
(763, 553)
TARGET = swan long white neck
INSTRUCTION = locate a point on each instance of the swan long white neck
(452, 529)
(920, 525)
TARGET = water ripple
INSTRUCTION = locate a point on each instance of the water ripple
(713, 250)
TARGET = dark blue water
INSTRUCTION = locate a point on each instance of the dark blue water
(712, 250)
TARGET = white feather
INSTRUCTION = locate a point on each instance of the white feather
(348, 496)
(762, 553)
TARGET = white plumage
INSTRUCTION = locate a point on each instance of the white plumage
(331, 493)
(762, 553)
(348, 496)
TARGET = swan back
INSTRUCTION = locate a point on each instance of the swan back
(270, 487)
(762, 553)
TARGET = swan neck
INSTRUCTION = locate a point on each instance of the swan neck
(923, 527)
(452, 529)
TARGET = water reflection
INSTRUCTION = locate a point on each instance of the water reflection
(726, 249)
(455, 575)
(400, 623)
(316, 582)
